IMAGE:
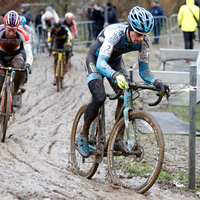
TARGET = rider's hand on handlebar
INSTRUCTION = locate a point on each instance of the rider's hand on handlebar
(163, 88)
(121, 80)
(29, 68)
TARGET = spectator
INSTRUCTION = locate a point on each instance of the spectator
(1, 17)
(70, 22)
(112, 14)
(91, 27)
(98, 15)
(38, 30)
(186, 19)
(27, 14)
(38, 20)
(156, 10)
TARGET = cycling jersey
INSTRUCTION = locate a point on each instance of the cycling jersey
(63, 37)
(71, 26)
(11, 46)
(45, 20)
(111, 43)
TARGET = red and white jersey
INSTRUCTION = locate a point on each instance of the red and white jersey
(12, 44)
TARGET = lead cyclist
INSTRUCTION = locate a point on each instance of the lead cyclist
(11, 35)
(104, 59)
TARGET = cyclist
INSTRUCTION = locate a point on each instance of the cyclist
(61, 38)
(48, 18)
(11, 35)
(70, 22)
(105, 59)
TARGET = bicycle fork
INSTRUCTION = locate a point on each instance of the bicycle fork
(61, 66)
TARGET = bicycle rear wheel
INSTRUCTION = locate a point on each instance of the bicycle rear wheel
(85, 167)
(58, 75)
(5, 114)
(139, 168)
(61, 74)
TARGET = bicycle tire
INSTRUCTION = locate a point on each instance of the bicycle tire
(137, 172)
(81, 166)
(5, 114)
(62, 75)
(69, 63)
(58, 76)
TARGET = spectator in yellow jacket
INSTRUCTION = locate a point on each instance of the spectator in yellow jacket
(186, 19)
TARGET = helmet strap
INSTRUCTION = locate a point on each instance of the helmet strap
(129, 36)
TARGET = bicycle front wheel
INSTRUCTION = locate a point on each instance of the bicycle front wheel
(85, 167)
(5, 113)
(138, 168)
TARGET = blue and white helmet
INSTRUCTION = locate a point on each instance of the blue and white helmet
(140, 20)
(23, 20)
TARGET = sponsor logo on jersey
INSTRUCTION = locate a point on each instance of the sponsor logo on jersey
(116, 35)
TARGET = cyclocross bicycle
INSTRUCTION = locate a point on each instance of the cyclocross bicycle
(139, 167)
(6, 107)
(59, 73)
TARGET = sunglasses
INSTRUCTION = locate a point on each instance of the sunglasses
(139, 34)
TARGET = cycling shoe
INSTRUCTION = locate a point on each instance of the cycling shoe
(83, 147)
(120, 145)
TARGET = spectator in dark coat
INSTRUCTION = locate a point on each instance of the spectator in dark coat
(27, 14)
(98, 16)
(112, 14)
(156, 10)
(38, 19)
(1, 17)
(91, 27)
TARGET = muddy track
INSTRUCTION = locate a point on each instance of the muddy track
(35, 159)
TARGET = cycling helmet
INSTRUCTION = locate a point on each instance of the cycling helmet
(48, 15)
(49, 8)
(11, 19)
(140, 20)
(69, 15)
(23, 20)
(58, 23)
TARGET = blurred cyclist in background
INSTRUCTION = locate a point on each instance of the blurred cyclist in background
(59, 37)
(48, 18)
(70, 22)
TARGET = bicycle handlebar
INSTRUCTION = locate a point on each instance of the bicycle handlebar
(13, 69)
(59, 50)
(136, 86)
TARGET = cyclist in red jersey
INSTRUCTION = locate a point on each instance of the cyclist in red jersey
(70, 22)
(11, 35)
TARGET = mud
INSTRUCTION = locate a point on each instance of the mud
(35, 159)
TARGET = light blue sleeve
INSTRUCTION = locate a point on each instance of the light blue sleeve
(103, 67)
(145, 73)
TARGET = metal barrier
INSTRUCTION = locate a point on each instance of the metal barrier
(40, 38)
(174, 27)
(162, 29)
(83, 31)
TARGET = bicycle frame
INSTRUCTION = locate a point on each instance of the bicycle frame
(127, 106)
(125, 109)
(60, 58)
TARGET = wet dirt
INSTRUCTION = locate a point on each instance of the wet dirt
(35, 158)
